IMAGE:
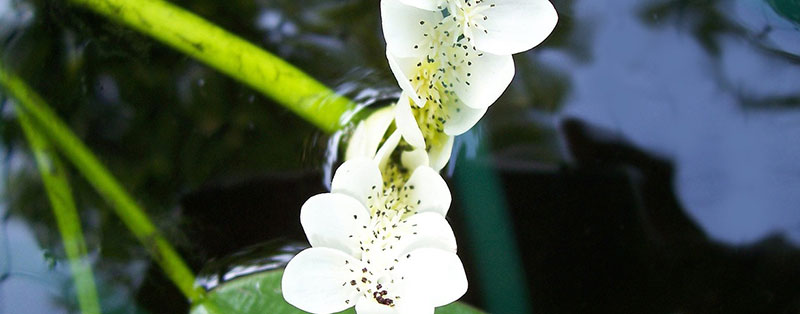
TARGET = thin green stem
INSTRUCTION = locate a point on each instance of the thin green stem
(87, 164)
(231, 55)
(58, 191)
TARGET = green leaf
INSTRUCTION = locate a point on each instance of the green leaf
(261, 293)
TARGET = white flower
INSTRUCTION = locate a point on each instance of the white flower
(368, 136)
(380, 247)
(369, 133)
(456, 54)
(500, 27)
(430, 149)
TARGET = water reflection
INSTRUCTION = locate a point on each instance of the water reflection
(27, 280)
(607, 234)
(251, 260)
(694, 94)
(14, 14)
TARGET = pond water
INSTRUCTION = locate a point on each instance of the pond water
(642, 161)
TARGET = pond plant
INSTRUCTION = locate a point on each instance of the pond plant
(379, 239)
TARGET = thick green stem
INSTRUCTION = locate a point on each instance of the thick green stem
(132, 215)
(60, 195)
(231, 55)
(499, 264)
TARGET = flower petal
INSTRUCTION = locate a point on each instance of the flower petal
(356, 178)
(313, 281)
(440, 154)
(514, 26)
(426, 230)
(428, 191)
(403, 68)
(400, 305)
(461, 118)
(369, 133)
(415, 158)
(382, 157)
(407, 124)
(414, 307)
(334, 220)
(369, 306)
(431, 276)
(431, 5)
(481, 83)
(357, 146)
(405, 26)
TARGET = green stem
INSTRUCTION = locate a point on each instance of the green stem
(498, 262)
(76, 152)
(231, 55)
(58, 191)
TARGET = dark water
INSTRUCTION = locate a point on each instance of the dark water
(645, 154)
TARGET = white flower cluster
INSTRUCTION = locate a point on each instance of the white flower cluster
(380, 240)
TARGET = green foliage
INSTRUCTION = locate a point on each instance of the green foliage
(31, 105)
(59, 192)
(231, 55)
(261, 293)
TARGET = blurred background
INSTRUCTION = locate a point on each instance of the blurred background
(644, 159)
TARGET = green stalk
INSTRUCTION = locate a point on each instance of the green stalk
(231, 55)
(498, 261)
(58, 191)
(31, 105)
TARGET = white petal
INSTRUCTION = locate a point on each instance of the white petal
(415, 158)
(334, 221)
(431, 276)
(369, 133)
(428, 191)
(386, 150)
(515, 25)
(357, 146)
(407, 124)
(403, 69)
(414, 307)
(461, 118)
(357, 178)
(440, 154)
(405, 26)
(369, 306)
(377, 123)
(488, 77)
(313, 281)
(432, 5)
(429, 230)
(401, 305)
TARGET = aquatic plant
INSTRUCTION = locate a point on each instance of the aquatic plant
(380, 240)
(452, 59)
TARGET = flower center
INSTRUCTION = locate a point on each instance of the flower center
(446, 62)
(366, 283)
(467, 15)
(427, 76)
(377, 241)
(432, 119)
(380, 296)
